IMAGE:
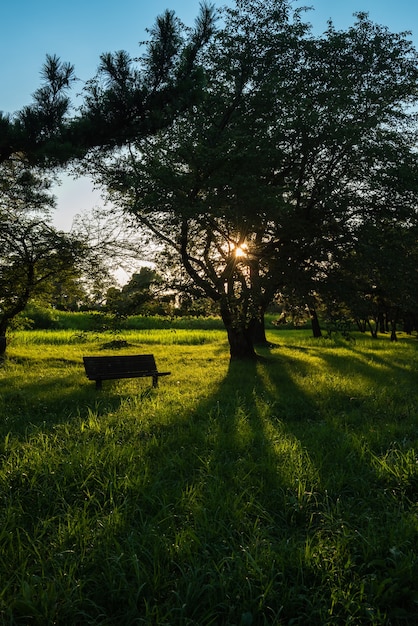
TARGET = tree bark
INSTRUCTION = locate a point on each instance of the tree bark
(259, 332)
(394, 321)
(240, 345)
(316, 329)
(240, 336)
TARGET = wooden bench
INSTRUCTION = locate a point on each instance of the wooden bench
(101, 368)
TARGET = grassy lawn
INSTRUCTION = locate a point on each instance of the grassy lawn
(277, 492)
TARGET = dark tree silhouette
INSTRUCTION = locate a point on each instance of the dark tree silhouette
(297, 142)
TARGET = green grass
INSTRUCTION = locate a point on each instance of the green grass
(277, 492)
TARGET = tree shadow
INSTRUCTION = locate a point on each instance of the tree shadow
(253, 501)
(240, 477)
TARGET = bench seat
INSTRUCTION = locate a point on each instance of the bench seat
(99, 368)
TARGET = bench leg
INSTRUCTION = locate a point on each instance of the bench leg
(98, 384)
(155, 381)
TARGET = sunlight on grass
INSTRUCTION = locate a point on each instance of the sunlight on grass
(166, 336)
(282, 491)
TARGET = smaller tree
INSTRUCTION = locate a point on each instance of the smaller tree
(376, 282)
(133, 298)
(68, 293)
(112, 246)
(32, 252)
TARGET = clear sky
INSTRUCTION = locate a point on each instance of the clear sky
(78, 31)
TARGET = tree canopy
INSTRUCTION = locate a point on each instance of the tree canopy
(127, 98)
(131, 98)
(267, 182)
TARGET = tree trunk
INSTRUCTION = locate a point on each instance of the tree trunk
(361, 325)
(241, 346)
(3, 341)
(240, 336)
(373, 331)
(382, 323)
(316, 329)
(259, 332)
(408, 324)
(394, 321)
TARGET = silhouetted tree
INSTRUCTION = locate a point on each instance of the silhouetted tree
(36, 131)
(32, 252)
(140, 290)
(297, 141)
(130, 98)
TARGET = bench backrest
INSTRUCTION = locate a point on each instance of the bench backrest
(107, 366)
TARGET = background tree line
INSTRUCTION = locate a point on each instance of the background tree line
(253, 160)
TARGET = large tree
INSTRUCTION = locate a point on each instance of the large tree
(298, 140)
(191, 184)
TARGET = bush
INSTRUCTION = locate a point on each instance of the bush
(38, 318)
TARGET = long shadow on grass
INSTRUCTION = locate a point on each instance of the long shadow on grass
(264, 509)
(235, 494)
(271, 438)
(367, 389)
(242, 509)
(370, 361)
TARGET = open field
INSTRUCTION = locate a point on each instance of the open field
(278, 492)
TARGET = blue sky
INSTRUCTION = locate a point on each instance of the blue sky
(80, 30)
(77, 31)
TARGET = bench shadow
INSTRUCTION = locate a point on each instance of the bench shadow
(28, 405)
